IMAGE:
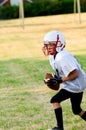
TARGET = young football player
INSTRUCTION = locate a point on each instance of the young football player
(68, 71)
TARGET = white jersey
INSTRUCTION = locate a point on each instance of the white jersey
(63, 64)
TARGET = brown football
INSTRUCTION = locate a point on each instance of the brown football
(48, 76)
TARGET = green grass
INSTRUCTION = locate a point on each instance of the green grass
(18, 72)
(24, 99)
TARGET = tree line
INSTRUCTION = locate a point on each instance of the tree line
(41, 8)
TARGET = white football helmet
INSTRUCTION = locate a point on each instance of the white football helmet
(55, 37)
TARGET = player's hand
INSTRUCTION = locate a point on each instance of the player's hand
(51, 82)
(58, 79)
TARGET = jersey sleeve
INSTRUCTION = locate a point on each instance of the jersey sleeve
(68, 65)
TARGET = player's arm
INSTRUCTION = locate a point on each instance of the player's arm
(72, 75)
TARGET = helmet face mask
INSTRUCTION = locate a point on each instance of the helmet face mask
(56, 38)
(49, 49)
(49, 42)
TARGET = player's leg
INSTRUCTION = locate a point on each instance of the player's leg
(82, 114)
(76, 100)
(56, 100)
(59, 117)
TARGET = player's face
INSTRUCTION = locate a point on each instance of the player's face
(51, 49)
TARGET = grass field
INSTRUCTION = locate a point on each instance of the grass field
(24, 99)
